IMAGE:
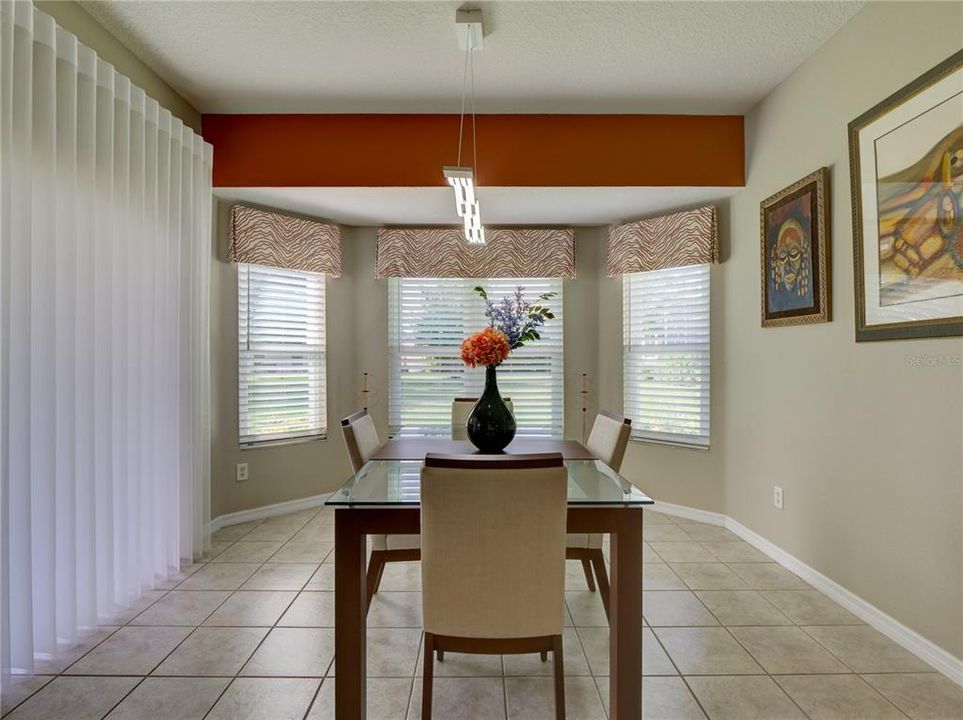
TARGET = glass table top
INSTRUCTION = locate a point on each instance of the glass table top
(397, 482)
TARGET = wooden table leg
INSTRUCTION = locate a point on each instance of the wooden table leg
(625, 617)
(349, 615)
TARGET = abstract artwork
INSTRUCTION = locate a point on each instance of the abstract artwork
(906, 157)
(794, 249)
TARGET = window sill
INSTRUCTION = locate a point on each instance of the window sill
(280, 443)
(670, 443)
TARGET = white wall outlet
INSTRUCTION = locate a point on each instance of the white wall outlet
(777, 497)
(241, 472)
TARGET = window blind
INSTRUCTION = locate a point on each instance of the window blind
(427, 320)
(665, 368)
(281, 354)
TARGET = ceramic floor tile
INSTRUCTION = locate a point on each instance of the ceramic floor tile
(463, 665)
(248, 552)
(170, 699)
(742, 607)
(706, 651)
(768, 576)
(533, 666)
(595, 643)
(76, 698)
(19, 688)
(656, 532)
(710, 533)
(323, 579)
(534, 699)
(787, 650)
(144, 602)
(252, 608)
(265, 699)
(586, 608)
(219, 576)
(68, 655)
(312, 609)
(234, 532)
(461, 699)
(293, 652)
(810, 607)
(182, 607)
(735, 551)
(395, 609)
(271, 533)
(682, 552)
(743, 698)
(213, 651)
(281, 576)
(674, 607)
(668, 698)
(865, 649)
(387, 699)
(928, 696)
(838, 697)
(708, 576)
(649, 555)
(404, 576)
(655, 517)
(130, 651)
(301, 552)
(658, 576)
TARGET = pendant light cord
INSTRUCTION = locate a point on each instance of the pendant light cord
(468, 78)
(464, 87)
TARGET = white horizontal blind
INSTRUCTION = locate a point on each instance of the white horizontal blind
(281, 354)
(665, 370)
(427, 320)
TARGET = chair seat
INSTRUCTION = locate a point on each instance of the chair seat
(397, 542)
(591, 541)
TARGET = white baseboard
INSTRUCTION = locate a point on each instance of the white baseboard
(264, 511)
(927, 651)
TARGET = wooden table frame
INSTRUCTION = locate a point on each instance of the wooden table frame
(352, 525)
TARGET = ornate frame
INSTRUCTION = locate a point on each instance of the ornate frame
(940, 327)
(818, 183)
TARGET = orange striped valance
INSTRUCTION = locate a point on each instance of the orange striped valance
(263, 237)
(507, 253)
(677, 240)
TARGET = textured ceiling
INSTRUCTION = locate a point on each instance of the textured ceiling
(671, 57)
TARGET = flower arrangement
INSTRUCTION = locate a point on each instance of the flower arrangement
(488, 347)
(512, 322)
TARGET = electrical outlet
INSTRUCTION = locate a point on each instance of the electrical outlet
(777, 497)
(241, 472)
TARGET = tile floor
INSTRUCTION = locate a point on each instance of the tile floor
(247, 635)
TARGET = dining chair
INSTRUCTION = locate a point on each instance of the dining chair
(460, 410)
(607, 441)
(362, 441)
(493, 559)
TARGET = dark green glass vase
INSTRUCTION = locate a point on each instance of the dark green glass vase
(491, 425)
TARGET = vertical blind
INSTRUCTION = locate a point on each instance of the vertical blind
(427, 320)
(665, 359)
(281, 354)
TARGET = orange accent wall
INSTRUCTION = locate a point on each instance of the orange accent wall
(513, 150)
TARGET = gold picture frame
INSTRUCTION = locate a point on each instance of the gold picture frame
(794, 246)
(906, 169)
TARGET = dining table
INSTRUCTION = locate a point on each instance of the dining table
(383, 497)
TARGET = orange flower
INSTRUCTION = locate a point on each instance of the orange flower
(488, 347)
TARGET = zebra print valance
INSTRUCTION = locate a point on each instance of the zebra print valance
(443, 252)
(677, 240)
(264, 237)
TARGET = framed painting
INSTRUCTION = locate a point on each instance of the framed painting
(794, 249)
(906, 163)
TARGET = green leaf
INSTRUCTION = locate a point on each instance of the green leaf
(549, 315)
(481, 291)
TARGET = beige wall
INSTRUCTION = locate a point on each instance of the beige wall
(73, 18)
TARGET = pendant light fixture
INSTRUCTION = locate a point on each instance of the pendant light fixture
(468, 26)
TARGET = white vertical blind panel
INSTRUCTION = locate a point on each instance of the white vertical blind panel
(428, 318)
(281, 354)
(665, 366)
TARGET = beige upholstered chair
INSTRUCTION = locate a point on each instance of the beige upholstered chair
(493, 558)
(607, 441)
(361, 439)
(460, 410)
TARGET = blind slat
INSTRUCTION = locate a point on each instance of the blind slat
(281, 354)
(666, 354)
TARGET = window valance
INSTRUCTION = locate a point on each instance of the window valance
(677, 240)
(263, 237)
(443, 252)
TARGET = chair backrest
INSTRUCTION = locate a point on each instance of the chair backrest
(360, 437)
(609, 438)
(493, 545)
(460, 410)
